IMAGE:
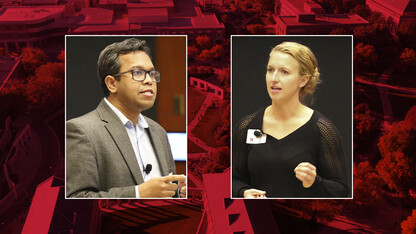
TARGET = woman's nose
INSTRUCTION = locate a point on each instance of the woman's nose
(275, 76)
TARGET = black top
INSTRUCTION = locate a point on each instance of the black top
(270, 166)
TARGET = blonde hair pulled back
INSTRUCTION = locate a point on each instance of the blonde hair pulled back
(308, 65)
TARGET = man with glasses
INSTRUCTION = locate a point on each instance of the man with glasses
(115, 151)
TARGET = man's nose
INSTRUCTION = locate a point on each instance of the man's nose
(147, 79)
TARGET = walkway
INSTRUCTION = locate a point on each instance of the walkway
(204, 107)
(209, 150)
(383, 87)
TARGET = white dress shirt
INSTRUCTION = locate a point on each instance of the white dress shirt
(142, 146)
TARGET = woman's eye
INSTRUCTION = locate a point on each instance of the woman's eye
(270, 70)
(285, 72)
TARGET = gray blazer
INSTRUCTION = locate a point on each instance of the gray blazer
(100, 160)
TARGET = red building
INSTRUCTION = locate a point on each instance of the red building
(394, 11)
(296, 7)
(139, 19)
(22, 26)
(312, 24)
(50, 213)
(308, 18)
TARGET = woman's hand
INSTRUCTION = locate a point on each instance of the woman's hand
(254, 193)
(306, 173)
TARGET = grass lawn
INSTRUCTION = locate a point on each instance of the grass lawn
(193, 148)
(205, 129)
(195, 100)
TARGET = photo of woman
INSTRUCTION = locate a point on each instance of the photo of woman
(288, 149)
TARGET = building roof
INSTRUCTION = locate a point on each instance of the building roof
(119, 26)
(95, 16)
(147, 12)
(399, 6)
(113, 2)
(326, 19)
(7, 65)
(218, 200)
(300, 5)
(12, 14)
(102, 20)
(151, 4)
(154, 15)
(206, 21)
(41, 211)
(39, 1)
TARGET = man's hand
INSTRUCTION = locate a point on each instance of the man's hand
(182, 187)
(306, 173)
(160, 187)
(254, 193)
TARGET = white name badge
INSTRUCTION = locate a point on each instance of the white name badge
(253, 139)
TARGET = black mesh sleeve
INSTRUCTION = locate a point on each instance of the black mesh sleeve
(240, 173)
(332, 177)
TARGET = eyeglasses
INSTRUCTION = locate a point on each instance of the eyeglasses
(140, 74)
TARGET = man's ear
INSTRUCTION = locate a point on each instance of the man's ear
(111, 83)
(304, 80)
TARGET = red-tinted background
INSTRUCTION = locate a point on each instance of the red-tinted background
(32, 116)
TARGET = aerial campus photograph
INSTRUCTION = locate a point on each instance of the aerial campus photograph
(33, 113)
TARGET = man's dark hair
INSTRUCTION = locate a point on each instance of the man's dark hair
(108, 62)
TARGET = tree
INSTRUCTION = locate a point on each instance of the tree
(338, 31)
(397, 147)
(61, 56)
(205, 56)
(361, 10)
(256, 29)
(12, 99)
(217, 51)
(377, 20)
(366, 126)
(229, 29)
(220, 160)
(245, 5)
(200, 71)
(316, 210)
(267, 5)
(45, 90)
(277, 7)
(193, 51)
(367, 190)
(224, 77)
(407, 61)
(225, 18)
(407, 28)
(409, 225)
(233, 7)
(364, 34)
(408, 56)
(32, 58)
(203, 42)
(407, 33)
(365, 56)
(222, 133)
(410, 117)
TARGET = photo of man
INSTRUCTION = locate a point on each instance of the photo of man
(115, 151)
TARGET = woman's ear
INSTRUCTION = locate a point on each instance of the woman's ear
(111, 83)
(304, 80)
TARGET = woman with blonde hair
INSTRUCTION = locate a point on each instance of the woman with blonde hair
(288, 149)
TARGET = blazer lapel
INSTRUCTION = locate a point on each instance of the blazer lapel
(119, 134)
(159, 148)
